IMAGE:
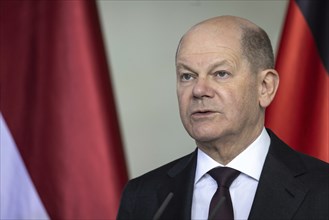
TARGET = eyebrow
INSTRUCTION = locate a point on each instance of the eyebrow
(182, 65)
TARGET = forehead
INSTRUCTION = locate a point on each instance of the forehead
(210, 38)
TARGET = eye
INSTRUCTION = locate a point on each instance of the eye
(186, 77)
(222, 74)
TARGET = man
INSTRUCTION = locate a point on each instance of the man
(225, 81)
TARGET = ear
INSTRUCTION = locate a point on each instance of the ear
(269, 83)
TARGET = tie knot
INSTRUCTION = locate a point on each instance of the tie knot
(224, 176)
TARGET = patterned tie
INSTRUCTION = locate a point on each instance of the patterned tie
(221, 204)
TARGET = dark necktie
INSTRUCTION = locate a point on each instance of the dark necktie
(221, 204)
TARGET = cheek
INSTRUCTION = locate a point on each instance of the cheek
(247, 103)
(183, 96)
(182, 103)
(240, 100)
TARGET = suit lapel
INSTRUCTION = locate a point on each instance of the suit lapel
(180, 183)
(278, 196)
(279, 192)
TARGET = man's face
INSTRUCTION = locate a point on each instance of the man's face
(217, 93)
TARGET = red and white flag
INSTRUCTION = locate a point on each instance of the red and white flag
(61, 150)
(300, 112)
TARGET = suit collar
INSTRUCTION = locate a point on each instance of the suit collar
(279, 192)
(180, 183)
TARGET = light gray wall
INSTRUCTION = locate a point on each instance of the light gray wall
(141, 39)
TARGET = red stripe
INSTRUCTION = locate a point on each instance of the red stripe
(299, 113)
(58, 102)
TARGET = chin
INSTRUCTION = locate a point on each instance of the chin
(204, 137)
(209, 134)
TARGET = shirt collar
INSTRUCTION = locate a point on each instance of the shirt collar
(250, 161)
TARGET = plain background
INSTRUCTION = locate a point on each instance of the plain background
(141, 38)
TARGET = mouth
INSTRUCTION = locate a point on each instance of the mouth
(203, 114)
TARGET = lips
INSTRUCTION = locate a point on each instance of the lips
(198, 114)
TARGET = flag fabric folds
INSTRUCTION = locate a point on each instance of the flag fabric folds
(58, 104)
(300, 114)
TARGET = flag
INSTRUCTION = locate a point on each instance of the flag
(299, 113)
(61, 149)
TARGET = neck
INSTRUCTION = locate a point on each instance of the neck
(224, 150)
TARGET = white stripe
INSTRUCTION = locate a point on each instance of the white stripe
(19, 199)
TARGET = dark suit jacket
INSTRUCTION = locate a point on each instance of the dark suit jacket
(291, 186)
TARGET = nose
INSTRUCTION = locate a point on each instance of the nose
(202, 88)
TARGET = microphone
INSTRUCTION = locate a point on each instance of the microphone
(163, 206)
(216, 208)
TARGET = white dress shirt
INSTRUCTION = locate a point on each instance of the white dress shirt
(249, 162)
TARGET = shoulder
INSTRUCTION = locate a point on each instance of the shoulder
(140, 195)
(157, 176)
(308, 169)
(314, 164)
(316, 180)
(299, 181)
(317, 172)
(290, 156)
